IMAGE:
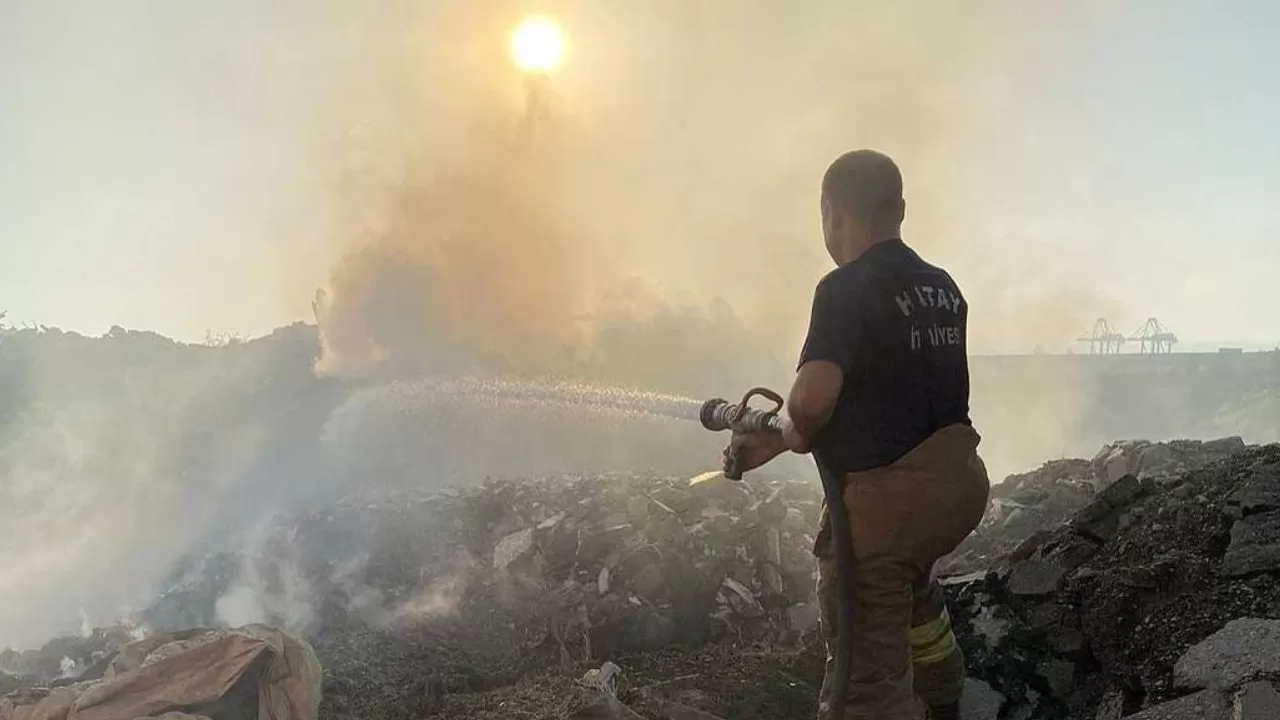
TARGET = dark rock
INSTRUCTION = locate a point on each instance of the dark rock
(1102, 529)
(979, 701)
(1048, 616)
(1030, 546)
(1244, 649)
(1122, 492)
(1110, 707)
(1059, 674)
(1068, 641)
(1035, 577)
(1101, 519)
(1095, 511)
(1070, 550)
(1255, 545)
(1204, 705)
(1260, 493)
(966, 579)
(1257, 701)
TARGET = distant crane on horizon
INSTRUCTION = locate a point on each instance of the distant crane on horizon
(1154, 338)
(1103, 340)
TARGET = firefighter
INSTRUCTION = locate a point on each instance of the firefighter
(881, 397)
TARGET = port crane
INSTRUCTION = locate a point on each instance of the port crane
(1103, 340)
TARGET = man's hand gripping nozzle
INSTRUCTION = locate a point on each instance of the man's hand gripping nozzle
(718, 414)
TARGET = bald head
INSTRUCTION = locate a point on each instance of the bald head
(862, 203)
(867, 185)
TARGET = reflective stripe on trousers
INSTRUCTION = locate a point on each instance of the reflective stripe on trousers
(903, 518)
(932, 641)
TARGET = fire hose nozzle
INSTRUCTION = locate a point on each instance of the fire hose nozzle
(715, 413)
(719, 414)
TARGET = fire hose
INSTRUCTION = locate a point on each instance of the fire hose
(718, 414)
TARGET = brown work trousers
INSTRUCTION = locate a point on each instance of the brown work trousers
(903, 518)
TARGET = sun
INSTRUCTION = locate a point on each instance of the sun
(538, 45)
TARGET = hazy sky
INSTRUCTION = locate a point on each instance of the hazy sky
(165, 165)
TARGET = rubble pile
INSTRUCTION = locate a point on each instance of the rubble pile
(1160, 460)
(61, 658)
(647, 596)
(1159, 595)
(413, 599)
(1048, 496)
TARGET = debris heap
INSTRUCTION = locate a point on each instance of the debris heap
(1158, 597)
(1048, 496)
(411, 600)
(1096, 595)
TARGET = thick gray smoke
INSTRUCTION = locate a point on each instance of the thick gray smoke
(669, 170)
(648, 215)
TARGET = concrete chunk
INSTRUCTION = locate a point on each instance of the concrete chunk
(1243, 650)
(512, 548)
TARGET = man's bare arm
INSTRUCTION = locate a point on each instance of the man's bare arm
(812, 400)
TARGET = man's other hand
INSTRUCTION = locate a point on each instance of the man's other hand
(753, 450)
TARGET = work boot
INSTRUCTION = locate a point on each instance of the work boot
(945, 712)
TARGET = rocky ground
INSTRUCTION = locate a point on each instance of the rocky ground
(1106, 613)
(1130, 585)
(1048, 496)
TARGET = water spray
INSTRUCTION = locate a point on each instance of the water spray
(718, 414)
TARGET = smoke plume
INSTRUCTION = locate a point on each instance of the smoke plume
(666, 178)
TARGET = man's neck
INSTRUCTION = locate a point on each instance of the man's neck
(881, 239)
(886, 235)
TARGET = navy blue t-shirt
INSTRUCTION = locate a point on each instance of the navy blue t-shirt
(896, 326)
